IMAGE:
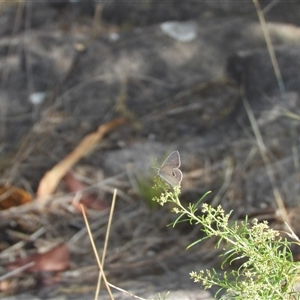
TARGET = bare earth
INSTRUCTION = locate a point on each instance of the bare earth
(189, 86)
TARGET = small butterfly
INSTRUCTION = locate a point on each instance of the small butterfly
(169, 171)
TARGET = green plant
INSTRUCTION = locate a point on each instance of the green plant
(266, 271)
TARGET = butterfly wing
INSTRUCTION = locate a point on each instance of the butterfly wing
(170, 175)
(172, 160)
(177, 174)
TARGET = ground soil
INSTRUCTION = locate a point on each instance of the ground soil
(189, 86)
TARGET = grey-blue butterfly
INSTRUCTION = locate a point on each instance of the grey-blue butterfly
(169, 170)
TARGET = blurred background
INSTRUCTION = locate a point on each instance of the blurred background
(94, 93)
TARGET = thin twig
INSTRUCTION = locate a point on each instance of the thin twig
(270, 47)
(278, 75)
(263, 149)
(106, 241)
(96, 253)
(16, 271)
(119, 289)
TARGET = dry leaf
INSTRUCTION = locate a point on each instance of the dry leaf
(72, 183)
(51, 179)
(56, 259)
(12, 196)
(86, 199)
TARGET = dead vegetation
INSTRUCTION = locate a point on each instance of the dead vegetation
(86, 106)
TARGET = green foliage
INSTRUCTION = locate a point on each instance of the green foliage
(266, 271)
(145, 189)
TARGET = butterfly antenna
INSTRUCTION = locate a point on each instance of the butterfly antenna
(156, 164)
